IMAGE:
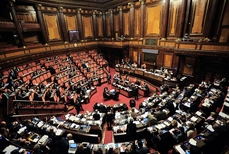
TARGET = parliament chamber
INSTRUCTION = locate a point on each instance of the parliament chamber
(114, 76)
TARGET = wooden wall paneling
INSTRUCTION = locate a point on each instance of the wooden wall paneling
(126, 21)
(52, 25)
(120, 8)
(153, 20)
(131, 21)
(180, 19)
(189, 65)
(135, 55)
(116, 25)
(63, 25)
(27, 17)
(87, 24)
(79, 24)
(172, 21)
(26, 13)
(168, 60)
(164, 19)
(136, 22)
(94, 23)
(210, 21)
(224, 30)
(199, 12)
(108, 24)
(31, 37)
(100, 25)
(226, 13)
(42, 24)
(71, 22)
(18, 27)
(224, 37)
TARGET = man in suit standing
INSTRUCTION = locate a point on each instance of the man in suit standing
(96, 115)
(135, 92)
(131, 129)
(109, 78)
(64, 144)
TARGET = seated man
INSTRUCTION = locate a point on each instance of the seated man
(106, 93)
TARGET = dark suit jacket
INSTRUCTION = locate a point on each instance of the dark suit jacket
(161, 115)
(63, 146)
(131, 129)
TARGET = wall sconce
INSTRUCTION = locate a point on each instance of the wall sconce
(188, 65)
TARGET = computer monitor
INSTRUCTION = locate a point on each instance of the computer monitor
(73, 145)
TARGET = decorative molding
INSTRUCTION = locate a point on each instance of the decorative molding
(79, 10)
(120, 8)
(38, 7)
(131, 4)
(142, 2)
(60, 9)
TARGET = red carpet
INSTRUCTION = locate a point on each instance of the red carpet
(108, 136)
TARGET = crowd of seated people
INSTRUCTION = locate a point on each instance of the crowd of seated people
(168, 111)
(130, 84)
(165, 116)
(53, 79)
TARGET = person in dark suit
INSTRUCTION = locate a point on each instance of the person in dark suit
(63, 144)
(140, 149)
(132, 103)
(109, 78)
(135, 92)
(181, 136)
(96, 115)
(110, 118)
(131, 129)
(160, 115)
(99, 81)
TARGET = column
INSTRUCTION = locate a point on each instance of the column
(209, 26)
(181, 20)
(79, 21)
(42, 25)
(164, 20)
(120, 20)
(17, 25)
(104, 24)
(63, 25)
(131, 4)
(94, 24)
(112, 24)
(142, 12)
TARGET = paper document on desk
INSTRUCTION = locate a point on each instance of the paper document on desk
(192, 142)
(179, 149)
(194, 119)
(210, 128)
(170, 118)
(41, 123)
(136, 122)
(58, 132)
(198, 113)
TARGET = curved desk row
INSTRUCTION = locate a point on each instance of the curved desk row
(157, 80)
